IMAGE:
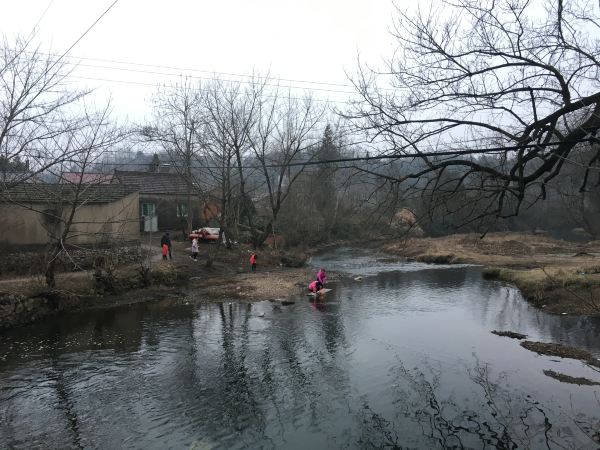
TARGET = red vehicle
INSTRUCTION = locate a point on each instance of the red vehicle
(205, 234)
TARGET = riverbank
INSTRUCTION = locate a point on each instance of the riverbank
(559, 276)
(26, 299)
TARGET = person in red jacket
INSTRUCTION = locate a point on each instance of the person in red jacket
(253, 262)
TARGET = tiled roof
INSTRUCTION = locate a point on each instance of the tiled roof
(64, 193)
(86, 178)
(17, 177)
(154, 183)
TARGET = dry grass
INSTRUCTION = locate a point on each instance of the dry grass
(228, 278)
(562, 351)
(580, 381)
(262, 285)
(79, 283)
(499, 249)
(509, 334)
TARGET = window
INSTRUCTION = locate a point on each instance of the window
(148, 209)
(182, 210)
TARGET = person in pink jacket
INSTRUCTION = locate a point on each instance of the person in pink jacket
(322, 276)
(315, 286)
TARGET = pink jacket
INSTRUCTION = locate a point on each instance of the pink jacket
(312, 286)
(322, 276)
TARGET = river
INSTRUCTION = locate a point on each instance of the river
(403, 358)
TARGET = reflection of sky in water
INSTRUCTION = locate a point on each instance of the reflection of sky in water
(404, 357)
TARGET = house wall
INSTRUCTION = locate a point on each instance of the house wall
(19, 226)
(166, 212)
(94, 223)
(101, 223)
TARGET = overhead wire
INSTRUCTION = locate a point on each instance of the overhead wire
(124, 69)
(35, 27)
(86, 31)
(212, 72)
(158, 85)
(29, 38)
(430, 154)
(366, 158)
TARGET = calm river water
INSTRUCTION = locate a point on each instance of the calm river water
(402, 359)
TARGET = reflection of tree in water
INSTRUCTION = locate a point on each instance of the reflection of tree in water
(502, 421)
(257, 383)
(300, 371)
(332, 321)
(66, 420)
(238, 401)
(299, 380)
(66, 404)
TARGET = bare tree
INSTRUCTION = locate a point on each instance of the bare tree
(217, 175)
(176, 127)
(232, 113)
(487, 77)
(88, 144)
(59, 203)
(35, 109)
(284, 132)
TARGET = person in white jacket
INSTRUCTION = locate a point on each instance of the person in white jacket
(194, 249)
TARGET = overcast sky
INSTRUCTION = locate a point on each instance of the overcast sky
(308, 40)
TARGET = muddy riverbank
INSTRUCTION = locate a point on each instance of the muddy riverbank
(25, 299)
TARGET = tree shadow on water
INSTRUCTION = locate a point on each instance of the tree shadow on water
(496, 418)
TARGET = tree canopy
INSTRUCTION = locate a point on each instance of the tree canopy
(514, 80)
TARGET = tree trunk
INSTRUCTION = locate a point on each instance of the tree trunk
(260, 238)
(50, 273)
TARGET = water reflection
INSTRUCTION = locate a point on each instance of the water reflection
(403, 359)
(501, 421)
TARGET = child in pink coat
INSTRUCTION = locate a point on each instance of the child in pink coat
(322, 276)
(315, 286)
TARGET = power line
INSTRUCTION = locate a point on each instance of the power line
(29, 38)
(157, 85)
(124, 69)
(430, 154)
(33, 30)
(86, 31)
(182, 69)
